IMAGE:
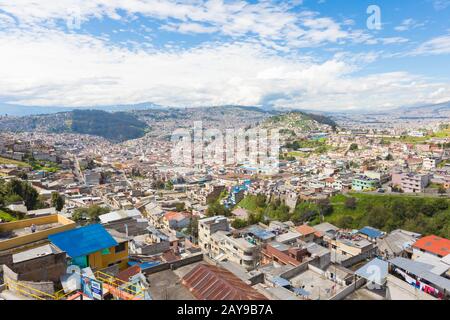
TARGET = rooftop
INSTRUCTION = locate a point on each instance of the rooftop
(84, 240)
(421, 270)
(305, 230)
(207, 282)
(371, 232)
(434, 244)
(37, 252)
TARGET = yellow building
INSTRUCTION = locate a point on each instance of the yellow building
(19, 233)
(92, 246)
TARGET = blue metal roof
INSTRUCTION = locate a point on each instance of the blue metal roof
(371, 232)
(83, 241)
(281, 282)
(260, 233)
(144, 265)
(301, 292)
(375, 271)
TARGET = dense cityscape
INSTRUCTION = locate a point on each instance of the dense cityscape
(345, 199)
(221, 158)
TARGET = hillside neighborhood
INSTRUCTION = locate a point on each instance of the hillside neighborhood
(352, 213)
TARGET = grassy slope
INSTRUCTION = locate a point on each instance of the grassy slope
(6, 217)
(248, 203)
(10, 161)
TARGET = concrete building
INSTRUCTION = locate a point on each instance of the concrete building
(414, 183)
(363, 183)
(431, 162)
(217, 242)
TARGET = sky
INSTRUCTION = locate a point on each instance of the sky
(330, 55)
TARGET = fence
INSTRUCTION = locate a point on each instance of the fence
(349, 289)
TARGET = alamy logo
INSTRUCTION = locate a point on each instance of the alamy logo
(374, 20)
(256, 149)
(73, 18)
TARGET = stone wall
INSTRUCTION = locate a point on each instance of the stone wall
(46, 268)
(27, 288)
(349, 289)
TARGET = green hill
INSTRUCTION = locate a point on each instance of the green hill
(118, 126)
(300, 120)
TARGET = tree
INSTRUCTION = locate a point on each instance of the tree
(350, 203)
(169, 185)
(158, 184)
(91, 214)
(23, 175)
(389, 157)
(25, 191)
(345, 222)
(180, 206)
(377, 217)
(95, 211)
(57, 201)
(217, 209)
(192, 227)
(325, 207)
(239, 224)
(442, 190)
(353, 147)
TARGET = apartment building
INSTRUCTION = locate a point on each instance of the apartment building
(216, 240)
(431, 162)
(413, 183)
(363, 183)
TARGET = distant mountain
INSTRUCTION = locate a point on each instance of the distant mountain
(116, 127)
(121, 126)
(21, 111)
(301, 120)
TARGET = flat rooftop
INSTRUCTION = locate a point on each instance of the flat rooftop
(365, 294)
(318, 286)
(166, 285)
(6, 235)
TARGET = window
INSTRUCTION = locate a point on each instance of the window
(121, 247)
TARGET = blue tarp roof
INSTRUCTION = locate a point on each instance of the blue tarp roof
(281, 282)
(261, 233)
(371, 232)
(83, 241)
(144, 265)
(375, 271)
(301, 292)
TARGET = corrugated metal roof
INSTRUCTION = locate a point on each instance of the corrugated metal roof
(371, 232)
(260, 233)
(421, 270)
(207, 282)
(83, 241)
(375, 271)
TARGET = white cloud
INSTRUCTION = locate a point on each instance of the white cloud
(48, 67)
(436, 46)
(441, 4)
(409, 24)
(268, 20)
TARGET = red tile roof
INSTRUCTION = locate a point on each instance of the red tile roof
(174, 215)
(126, 274)
(305, 230)
(282, 257)
(207, 282)
(434, 244)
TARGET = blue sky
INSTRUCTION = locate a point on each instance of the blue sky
(312, 54)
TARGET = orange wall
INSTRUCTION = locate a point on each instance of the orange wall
(67, 224)
(99, 261)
